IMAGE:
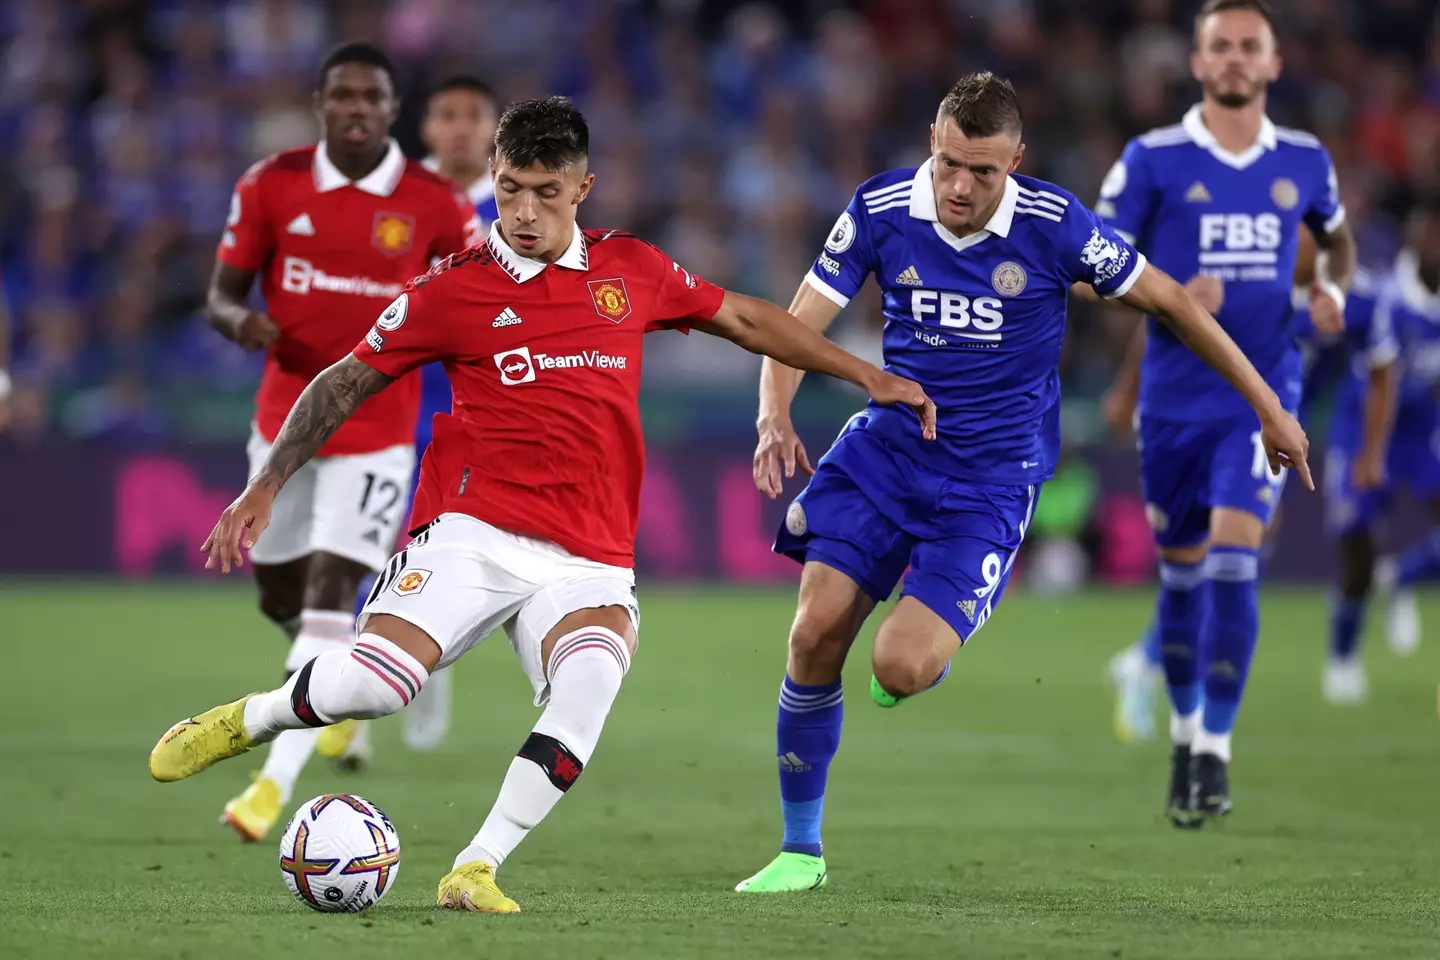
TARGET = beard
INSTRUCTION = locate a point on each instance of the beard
(1234, 99)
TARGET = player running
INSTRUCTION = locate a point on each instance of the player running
(975, 264)
(1389, 394)
(333, 231)
(1221, 197)
(1137, 672)
(529, 491)
(459, 130)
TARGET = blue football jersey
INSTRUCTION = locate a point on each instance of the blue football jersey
(1193, 207)
(978, 321)
(1395, 318)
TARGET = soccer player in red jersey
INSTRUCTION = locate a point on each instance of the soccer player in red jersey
(333, 232)
(530, 490)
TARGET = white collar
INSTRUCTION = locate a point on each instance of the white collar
(575, 257)
(381, 181)
(482, 189)
(1194, 126)
(923, 207)
(1413, 291)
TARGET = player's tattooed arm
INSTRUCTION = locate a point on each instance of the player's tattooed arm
(324, 405)
(1155, 292)
(228, 311)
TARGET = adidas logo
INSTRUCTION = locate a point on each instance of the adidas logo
(909, 277)
(967, 607)
(301, 226)
(371, 536)
(791, 763)
(1197, 193)
(507, 318)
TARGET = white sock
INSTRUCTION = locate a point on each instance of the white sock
(1215, 744)
(1183, 727)
(586, 669)
(320, 631)
(375, 678)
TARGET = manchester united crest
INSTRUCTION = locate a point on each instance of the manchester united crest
(611, 299)
(1285, 194)
(393, 233)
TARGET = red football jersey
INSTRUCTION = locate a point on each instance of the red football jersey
(545, 437)
(330, 252)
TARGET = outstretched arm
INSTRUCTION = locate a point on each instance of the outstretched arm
(761, 327)
(1157, 294)
(327, 403)
(780, 450)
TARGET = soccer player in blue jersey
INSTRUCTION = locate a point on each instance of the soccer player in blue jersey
(1388, 394)
(975, 263)
(1137, 672)
(1221, 198)
(458, 128)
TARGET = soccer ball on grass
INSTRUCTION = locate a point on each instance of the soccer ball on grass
(340, 853)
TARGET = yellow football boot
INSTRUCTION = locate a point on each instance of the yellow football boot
(200, 742)
(335, 739)
(471, 887)
(255, 811)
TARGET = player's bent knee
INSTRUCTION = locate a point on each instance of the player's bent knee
(1185, 556)
(1236, 528)
(902, 674)
(407, 636)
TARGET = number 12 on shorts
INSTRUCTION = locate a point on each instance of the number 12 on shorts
(1260, 463)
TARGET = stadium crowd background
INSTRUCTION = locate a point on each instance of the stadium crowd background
(731, 134)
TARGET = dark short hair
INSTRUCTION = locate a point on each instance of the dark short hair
(464, 81)
(550, 132)
(366, 53)
(1212, 7)
(982, 105)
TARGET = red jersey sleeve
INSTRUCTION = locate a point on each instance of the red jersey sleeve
(459, 225)
(248, 240)
(682, 299)
(412, 331)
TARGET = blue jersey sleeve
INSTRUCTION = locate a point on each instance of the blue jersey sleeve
(1092, 251)
(1325, 213)
(1369, 331)
(848, 258)
(1128, 196)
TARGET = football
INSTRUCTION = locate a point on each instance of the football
(340, 853)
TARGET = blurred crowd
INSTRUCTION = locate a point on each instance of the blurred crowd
(731, 134)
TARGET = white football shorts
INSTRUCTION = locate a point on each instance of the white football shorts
(351, 506)
(461, 578)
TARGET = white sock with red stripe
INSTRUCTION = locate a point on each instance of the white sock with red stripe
(374, 678)
(585, 671)
(320, 631)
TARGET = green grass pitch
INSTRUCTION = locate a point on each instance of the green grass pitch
(993, 817)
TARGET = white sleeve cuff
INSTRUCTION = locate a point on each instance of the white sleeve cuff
(825, 290)
(1336, 218)
(1124, 288)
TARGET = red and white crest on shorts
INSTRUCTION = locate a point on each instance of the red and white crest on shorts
(411, 582)
(612, 300)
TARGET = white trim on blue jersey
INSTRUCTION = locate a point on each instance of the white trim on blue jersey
(1193, 124)
(1412, 289)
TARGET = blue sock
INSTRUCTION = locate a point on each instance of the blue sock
(1346, 618)
(1150, 644)
(807, 734)
(1232, 634)
(1179, 619)
(1420, 562)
